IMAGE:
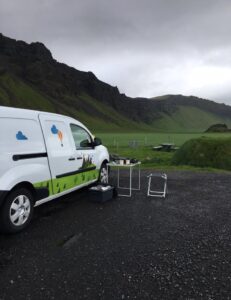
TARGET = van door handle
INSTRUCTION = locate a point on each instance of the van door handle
(71, 158)
(79, 157)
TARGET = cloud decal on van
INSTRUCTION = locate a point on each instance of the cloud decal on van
(55, 130)
(20, 136)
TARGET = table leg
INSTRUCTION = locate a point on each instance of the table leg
(139, 178)
(107, 174)
(118, 177)
(139, 181)
(130, 182)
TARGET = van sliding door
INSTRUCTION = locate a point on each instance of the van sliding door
(61, 153)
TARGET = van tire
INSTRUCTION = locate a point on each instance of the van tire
(17, 211)
(103, 174)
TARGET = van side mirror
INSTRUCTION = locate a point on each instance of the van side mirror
(85, 144)
(97, 142)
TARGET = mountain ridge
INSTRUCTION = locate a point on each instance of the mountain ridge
(31, 78)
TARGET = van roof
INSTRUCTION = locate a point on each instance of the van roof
(23, 112)
(6, 111)
(10, 112)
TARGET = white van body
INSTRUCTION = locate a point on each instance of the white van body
(49, 154)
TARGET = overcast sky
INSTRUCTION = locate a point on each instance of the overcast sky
(145, 47)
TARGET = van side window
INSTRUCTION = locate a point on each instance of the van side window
(81, 137)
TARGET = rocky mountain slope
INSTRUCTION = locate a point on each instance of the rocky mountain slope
(31, 78)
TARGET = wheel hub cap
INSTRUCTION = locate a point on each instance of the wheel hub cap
(20, 210)
(104, 175)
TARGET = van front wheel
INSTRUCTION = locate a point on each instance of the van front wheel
(17, 211)
(103, 174)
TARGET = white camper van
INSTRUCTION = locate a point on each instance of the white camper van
(43, 156)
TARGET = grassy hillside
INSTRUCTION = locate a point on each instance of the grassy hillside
(188, 119)
(14, 92)
(99, 116)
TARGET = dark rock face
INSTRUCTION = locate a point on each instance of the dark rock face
(33, 63)
(21, 50)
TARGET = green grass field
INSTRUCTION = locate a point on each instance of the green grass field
(121, 144)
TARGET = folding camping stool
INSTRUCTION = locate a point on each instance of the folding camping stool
(160, 193)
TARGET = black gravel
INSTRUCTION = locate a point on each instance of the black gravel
(129, 248)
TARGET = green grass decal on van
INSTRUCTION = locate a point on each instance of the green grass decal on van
(67, 182)
(44, 184)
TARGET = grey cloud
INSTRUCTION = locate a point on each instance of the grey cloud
(146, 48)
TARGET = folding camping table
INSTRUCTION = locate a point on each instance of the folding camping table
(131, 168)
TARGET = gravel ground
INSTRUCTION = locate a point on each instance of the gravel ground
(128, 248)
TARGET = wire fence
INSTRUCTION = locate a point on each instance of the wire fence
(137, 143)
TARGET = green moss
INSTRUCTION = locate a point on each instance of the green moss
(205, 152)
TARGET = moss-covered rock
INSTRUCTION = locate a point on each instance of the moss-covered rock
(218, 128)
(205, 152)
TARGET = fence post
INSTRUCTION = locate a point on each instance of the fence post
(145, 141)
